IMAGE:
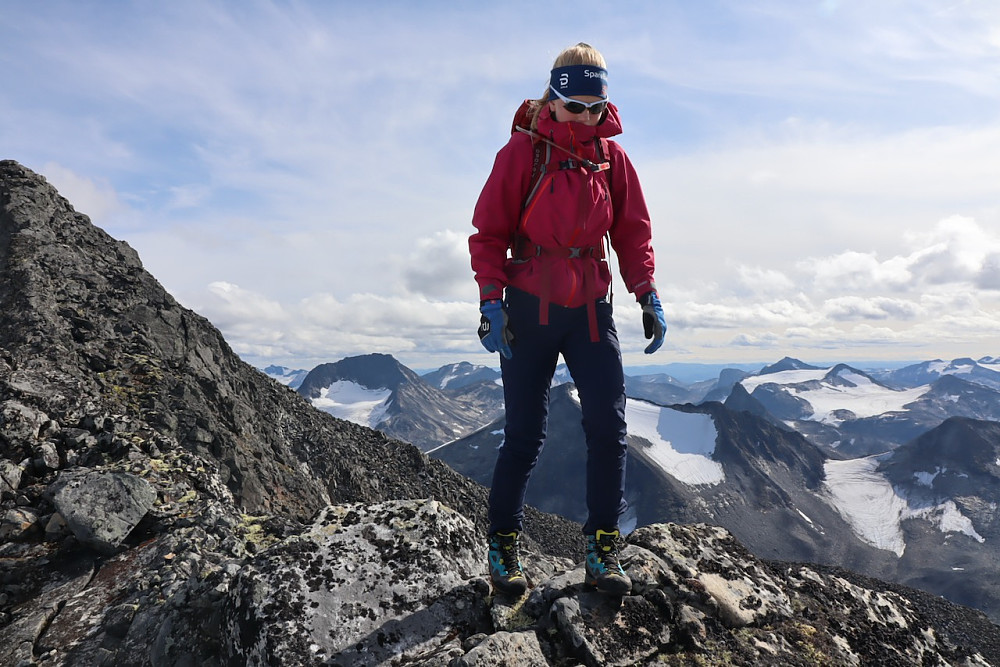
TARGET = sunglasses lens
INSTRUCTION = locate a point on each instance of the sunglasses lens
(580, 107)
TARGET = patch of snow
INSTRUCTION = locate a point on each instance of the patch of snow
(867, 502)
(927, 478)
(561, 376)
(286, 376)
(808, 520)
(875, 510)
(948, 518)
(353, 402)
(855, 378)
(783, 377)
(938, 367)
(681, 443)
(867, 399)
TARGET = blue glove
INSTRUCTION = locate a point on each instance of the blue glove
(654, 324)
(494, 333)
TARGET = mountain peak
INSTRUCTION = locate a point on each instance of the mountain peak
(459, 375)
(845, 375)
(787, 364)
(371, 371)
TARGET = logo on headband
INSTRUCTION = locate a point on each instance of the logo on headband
(580, 80)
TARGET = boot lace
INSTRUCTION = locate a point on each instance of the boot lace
(608, 548)
(510, 557)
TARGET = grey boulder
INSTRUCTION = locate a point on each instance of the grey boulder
(101, 508)
(363, 584)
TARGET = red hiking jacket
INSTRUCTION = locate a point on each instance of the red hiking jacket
(571, 209)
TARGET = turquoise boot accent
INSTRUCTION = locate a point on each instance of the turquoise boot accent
(505, 564)
(604, 572)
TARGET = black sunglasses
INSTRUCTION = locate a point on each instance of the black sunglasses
(577, 107)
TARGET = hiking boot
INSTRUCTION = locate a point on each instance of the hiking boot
(505, 564)
(603, 569)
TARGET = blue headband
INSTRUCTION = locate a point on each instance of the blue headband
(580, 80)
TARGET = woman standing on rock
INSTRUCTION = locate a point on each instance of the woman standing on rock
(557, 189)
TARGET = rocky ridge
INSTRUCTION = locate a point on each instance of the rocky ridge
(322, 597)
(163, 503)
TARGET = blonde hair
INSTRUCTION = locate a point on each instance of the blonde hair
(579, 54)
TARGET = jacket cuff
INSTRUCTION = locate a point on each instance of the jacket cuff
(643, 288)
(490, 292)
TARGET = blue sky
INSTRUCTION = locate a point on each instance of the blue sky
(822, 176)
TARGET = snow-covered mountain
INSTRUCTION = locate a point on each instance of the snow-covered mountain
(377, 391)
(665, 389)
(286, 376)
(826, 395)
(462, 374)
(921, 515)
(985, 371)
(933, 502)
(851, 411)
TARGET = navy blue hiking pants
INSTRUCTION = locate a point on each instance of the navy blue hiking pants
(596, 368)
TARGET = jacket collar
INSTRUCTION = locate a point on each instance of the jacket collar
(571, 132)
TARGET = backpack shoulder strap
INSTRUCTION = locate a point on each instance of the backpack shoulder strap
(604, 155)
(542, 155)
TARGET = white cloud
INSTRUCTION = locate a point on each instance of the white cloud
(957, 249)
(439, 267)
(989, 276)
(913, 300)
(321, 327)
(304, 174)
(97, 199)
(850, 308)
(188, 196)
(758, 280)
(853, 270)
(234, 305)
